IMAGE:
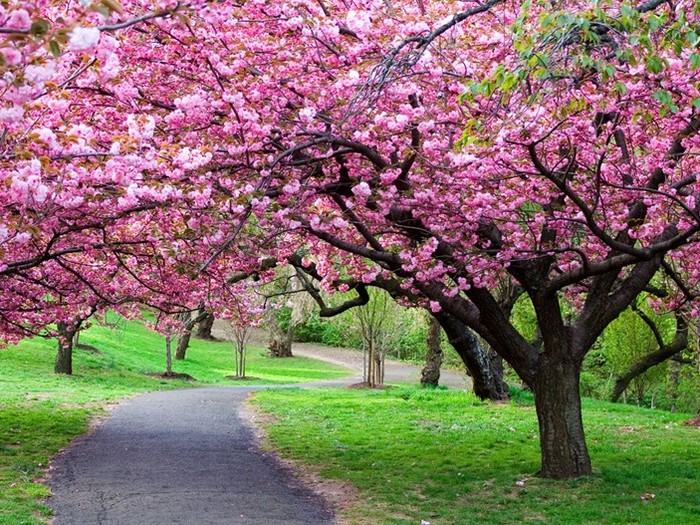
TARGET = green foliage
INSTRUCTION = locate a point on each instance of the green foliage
(41, 412)
(448, 458)
(627, 340)
(524, 319)
(318, 330)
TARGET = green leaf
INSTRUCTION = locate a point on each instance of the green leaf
(655, 64)
(55, 49)
(39, 27)
(608, 71)
(620, 88)
(664, 97)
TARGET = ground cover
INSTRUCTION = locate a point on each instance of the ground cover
(448, 458)
(41, 412)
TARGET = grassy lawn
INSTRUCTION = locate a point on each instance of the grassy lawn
(41, 412)
(447, 458)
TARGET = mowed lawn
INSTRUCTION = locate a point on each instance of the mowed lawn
(447, 458)
(41, 412)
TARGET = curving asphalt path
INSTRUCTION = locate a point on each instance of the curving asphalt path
(178, 457)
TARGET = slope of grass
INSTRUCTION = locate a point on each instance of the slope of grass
(41, 412)
(448, 458)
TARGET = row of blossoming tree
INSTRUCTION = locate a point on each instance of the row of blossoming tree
(456, 154)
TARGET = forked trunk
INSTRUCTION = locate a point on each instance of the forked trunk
(558, 405)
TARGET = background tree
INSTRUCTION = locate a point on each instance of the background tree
(288, 307)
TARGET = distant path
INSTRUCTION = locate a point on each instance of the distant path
(394, 371)
(178, 457)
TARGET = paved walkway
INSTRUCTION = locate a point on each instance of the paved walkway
(178, 457)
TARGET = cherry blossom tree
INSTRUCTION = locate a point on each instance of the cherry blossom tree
(450, 147)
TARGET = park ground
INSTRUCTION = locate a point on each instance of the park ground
(394, 456)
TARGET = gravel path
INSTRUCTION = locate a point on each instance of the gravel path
(394, 371)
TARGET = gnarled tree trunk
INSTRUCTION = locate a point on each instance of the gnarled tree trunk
(430, 375)
(205, 325)
(183, 342)
(485, 367)
(281, 340)
(558, 405)
(188, 322)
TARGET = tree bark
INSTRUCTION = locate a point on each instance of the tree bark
(205, 325)
(485, 368)
(183, 341)
(281, 340)
(188, 322)
(64, 356)
(430, 375)
(558, 405)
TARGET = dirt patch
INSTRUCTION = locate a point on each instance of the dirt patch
(239, 378)
(694, 422)
(338, 494)
(365, 385)
(173, 375)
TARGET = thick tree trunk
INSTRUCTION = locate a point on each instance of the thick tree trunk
(64, 356)
(430, 375)
(188, 323)
(485, 368)
(281, 341)
(183, 343)
(204, 327)
(558, 405)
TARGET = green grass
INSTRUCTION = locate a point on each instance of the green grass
(447, 458)
(40, 412)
